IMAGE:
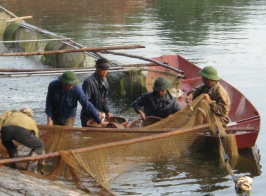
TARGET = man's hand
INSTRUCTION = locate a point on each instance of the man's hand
(207, 98)
(142, 115)
(49, 121)
(104, 123)
(102, 115)
(189, 98)
(109, 115)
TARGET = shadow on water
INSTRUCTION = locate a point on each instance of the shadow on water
(194, 173)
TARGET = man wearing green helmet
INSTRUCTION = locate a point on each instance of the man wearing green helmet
(62, 99)
(215, 95)
(158, 103)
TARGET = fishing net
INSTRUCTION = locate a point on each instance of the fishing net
(30, 39)
(129, 84)
(199, 112)
(132, 83)
(65, 60)
(10, 31)
(104, 162)
(3, 17)
(102, 154)
(33, 44)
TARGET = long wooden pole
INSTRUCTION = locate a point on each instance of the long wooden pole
(73, 50)
(35, 40)
(109, 145)
(50, 73)
(145, 59)
(57, 71)
(75, 69)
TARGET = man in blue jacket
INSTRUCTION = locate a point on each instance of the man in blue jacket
(62, 99)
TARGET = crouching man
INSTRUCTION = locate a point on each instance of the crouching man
(20, 127)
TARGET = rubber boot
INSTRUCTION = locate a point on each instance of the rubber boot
(33, 165)
(13, 154)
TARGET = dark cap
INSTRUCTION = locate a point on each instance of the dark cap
(102, 63)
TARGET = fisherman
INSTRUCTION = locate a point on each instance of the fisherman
(62, 99)
(215, 95)
(20, 127)
(96, 88)
(158, 103)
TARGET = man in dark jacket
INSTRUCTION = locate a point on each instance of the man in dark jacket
(96, 89)
(158, 103)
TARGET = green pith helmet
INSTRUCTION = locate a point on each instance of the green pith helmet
(69, 77)
(161, 84)
(210, 73)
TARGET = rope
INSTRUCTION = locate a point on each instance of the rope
(225, 157)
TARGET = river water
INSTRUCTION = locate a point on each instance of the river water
(229, 35)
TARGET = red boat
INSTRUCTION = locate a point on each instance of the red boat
(244, 118)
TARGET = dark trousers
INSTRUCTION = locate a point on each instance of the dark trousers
(24, 137)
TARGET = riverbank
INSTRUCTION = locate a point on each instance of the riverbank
(13, 182)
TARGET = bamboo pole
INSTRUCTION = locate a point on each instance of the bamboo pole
(75, 69)
(33, 158)
(145, 59)
(15, 19)
(35, 40)
(10, 13)
(104, 129)
(109, 145)
(51, 73)
(28, 73)
(73, 50)
(128, 130)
